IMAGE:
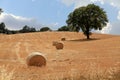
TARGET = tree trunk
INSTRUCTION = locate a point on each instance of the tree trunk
(88, 37)
(87, 33)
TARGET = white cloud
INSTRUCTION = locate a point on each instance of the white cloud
(107, 29)
(14, 22)
(118, 17)
(79, 3)
(53, 26)
(68, 2)
(115, 29)
(111, 28)
(17, 22)
(115, 3)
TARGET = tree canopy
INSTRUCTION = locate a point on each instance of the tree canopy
(45, 29)
(2, 28)
(87, 18)
(27, 29)
(64, 28)
(1, 10)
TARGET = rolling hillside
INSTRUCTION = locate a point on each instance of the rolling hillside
(102, 51)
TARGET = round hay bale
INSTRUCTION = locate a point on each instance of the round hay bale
(59, 46)
(36, 59)
(63, 39)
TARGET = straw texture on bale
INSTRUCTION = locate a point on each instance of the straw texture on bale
(63, 39)
(36, 59)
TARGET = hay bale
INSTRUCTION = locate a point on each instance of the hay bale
(59, 46)
(36, 59)
(63, 39)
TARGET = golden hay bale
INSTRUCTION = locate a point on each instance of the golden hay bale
(63, 39)
(36, 59)
(58, 45)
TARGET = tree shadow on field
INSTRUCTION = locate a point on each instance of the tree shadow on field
(85, 40)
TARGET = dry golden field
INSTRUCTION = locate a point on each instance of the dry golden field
(80, 59)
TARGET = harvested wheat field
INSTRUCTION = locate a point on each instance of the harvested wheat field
(80, 59)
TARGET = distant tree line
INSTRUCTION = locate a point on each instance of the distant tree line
(25, 29)
(28, 29)
(64, 28)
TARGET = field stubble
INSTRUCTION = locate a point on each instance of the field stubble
(97, 59)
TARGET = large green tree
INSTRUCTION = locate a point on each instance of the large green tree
(87, 18)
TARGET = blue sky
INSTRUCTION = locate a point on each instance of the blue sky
(47, 11)
(53, 13)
